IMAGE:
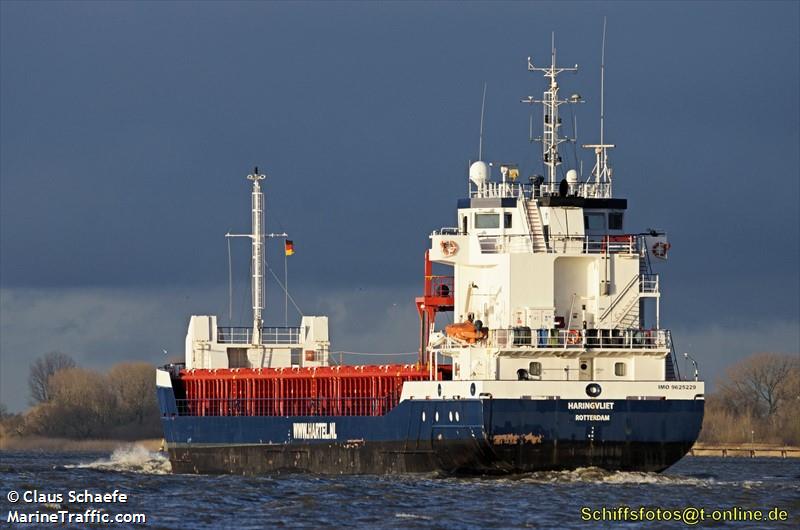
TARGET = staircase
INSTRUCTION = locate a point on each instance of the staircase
(535, 226)
(624, 309)
(628, 318)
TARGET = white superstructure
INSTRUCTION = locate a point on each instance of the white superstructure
(210, 346)
(554, 283)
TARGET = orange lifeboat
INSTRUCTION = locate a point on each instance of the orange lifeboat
(465, 331)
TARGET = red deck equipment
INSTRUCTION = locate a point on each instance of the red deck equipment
(371, 390)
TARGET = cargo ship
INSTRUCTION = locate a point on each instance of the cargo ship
(548, 352)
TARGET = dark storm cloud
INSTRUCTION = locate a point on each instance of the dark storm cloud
(127, 129)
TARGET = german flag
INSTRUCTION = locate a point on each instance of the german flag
(288, 247)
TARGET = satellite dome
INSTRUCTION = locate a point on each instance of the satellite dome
(572, 176)
(479, 172)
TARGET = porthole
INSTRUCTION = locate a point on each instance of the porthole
(439, 389)
(457, 417)
(450, 416)
(423, 415)
(593, 390)
(436, 416)
(472, 389)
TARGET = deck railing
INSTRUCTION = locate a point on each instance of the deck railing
(521, 243)
(648, 283)
(520, 189)
(294, 406)
(523, 337)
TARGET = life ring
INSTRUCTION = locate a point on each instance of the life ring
(573, 337)
(449, 248)
(660, 249)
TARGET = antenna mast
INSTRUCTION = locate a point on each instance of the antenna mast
(257, 208)
(602, 171)
(480, 139)
(550, 101)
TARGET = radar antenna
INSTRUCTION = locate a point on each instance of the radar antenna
(550, 101)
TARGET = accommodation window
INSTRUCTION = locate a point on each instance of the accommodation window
(594, 221)
(615, 221)
(506, 220)
(237, 358)
(487, 220)
(620, 369)
(535, 369)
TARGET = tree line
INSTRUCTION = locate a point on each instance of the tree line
(757, 400)
(68, 401)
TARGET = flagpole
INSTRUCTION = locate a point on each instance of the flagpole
(285, 286)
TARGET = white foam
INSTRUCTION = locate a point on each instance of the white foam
(597, 475)
(131, 458)
(402, 515)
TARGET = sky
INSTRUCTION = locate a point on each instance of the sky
(127, 130)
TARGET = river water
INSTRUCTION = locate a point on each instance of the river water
(539, 500)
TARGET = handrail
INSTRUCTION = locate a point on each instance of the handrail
(578, 338)
(522, 243)
(519, 189)
(648, 283)
(438, 285)
(448, 231)
(618, 298)
(500, 190)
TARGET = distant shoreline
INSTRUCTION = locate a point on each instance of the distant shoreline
(64, 445)
(752, 450)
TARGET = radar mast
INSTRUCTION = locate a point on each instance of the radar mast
(550, 139)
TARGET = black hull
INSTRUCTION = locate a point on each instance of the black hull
(458, 457)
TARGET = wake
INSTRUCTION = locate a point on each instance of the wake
(130, 459)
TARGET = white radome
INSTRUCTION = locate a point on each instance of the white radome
(572, 176)
(479, 172)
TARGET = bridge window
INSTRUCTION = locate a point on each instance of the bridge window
(615, 221)
(487, 220)
(620, 369)
(594, 221)
(506, 220)
(535, 369)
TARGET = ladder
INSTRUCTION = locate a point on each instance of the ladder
(538, 242)
(628, 318)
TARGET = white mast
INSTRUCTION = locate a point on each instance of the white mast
(550, 101)
(602, 171)
(257, 210)
(257, 237)
(480, 140)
